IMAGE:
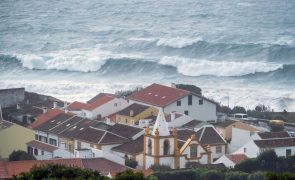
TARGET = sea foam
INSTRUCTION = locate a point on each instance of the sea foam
(199, 67)
(178, 42)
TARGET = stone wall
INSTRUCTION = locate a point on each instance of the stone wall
(11, 97)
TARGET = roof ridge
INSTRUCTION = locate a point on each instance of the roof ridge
(71, 125)
(105, 132)
(62, 122)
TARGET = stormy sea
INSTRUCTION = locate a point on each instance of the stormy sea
(238, 51)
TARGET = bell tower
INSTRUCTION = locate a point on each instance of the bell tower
(160, 146)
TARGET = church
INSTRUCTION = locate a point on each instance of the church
(163, 148)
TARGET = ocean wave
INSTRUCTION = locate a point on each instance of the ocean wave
(197, 67)
(178, 42)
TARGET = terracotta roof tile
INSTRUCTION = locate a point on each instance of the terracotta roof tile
(136, 108)
(131, 147)
(91, 104)
(78, 106)
(99, 164)
(103, 165)
(158, 95)
(272, 143)
(41, 146)
(125, 130)
(44, 117)
(206, 135)
(273, 135)
(226, 123)
(53, 122)
(236, 158)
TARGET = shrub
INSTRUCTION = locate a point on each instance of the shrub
(256, 176)
(248, 165)
(268, 160)
(20, 156)
(157, 167)
(56, 171)
(130, 175)
(236, 175)
(212, 175)
(131, 162)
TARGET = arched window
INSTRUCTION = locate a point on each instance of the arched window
(194, 151)
(166, 147)
(150, 146)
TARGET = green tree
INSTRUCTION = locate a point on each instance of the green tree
(157, 167)
(130, 175)
(268, 160)
(20, 155)
(239, 109)
(130, 162)
(56, 171)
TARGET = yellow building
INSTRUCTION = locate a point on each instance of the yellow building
(225, 128)
(135, 112)
(13, 137)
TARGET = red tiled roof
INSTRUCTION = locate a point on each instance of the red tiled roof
(99, 164)
(273, 135)
(44, 117)
(272, 143)
(3, 171)
(158, 95)
(79, 105)
(100, 100)
(236, 158)
(93, 103)
(42, 146)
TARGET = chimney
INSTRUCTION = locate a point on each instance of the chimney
(45, 110)
(131, 113)
(54, 105)
(173, 116)
(173, 85)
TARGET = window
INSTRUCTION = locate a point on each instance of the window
(36, 152)
(150, 146)
(190, 100)
(218, 149)
(288, 152)
(245, 149)
(30, 150)
(42, 152)
(52, 142)
(201, 102)
(36, 137)
(78, 145)
(186, 112)
(166, 147)
(178, 103)
(194, 151)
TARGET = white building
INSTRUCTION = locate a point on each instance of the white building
(231, 160)
(42, 151)
(282, 147)
(161, 147)
(172, 99)
(98, 107)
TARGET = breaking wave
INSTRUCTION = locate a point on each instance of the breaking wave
(193, 67)
(108, 64)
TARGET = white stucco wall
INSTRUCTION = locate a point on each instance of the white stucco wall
(224, 160)
(110, 107)
(239, 138)
(204, 112)
(250, 150)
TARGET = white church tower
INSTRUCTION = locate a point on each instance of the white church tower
(160, 147)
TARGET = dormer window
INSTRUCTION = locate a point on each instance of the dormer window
(194, 151)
